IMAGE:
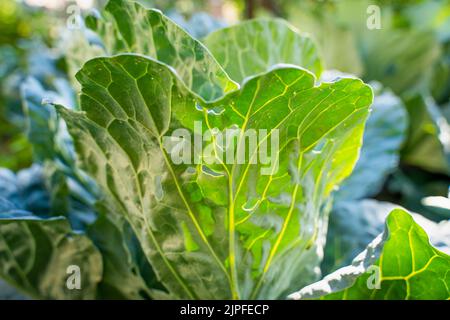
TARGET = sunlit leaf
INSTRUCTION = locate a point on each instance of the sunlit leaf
(401, 263)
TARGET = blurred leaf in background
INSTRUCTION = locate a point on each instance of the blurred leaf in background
(408, 266)
(24, 30)
(428, 144)
(354, 224)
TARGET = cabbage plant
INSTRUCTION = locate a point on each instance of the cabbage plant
(204, 226)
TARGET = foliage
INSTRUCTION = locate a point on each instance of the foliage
(221, 237)
(409, 268)
(105, 193)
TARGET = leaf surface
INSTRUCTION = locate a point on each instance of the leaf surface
(200, 242)
(409, 268)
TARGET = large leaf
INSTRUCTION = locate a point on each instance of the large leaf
(353, 225)
(219, 231)
(253, 47)
(36, 254)
(409, 268)
(384, 135)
